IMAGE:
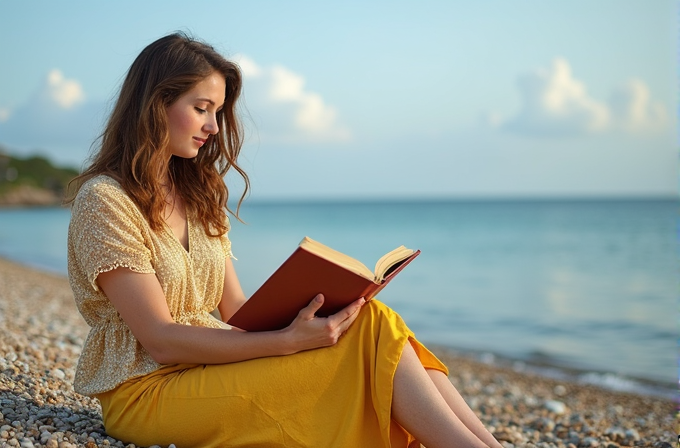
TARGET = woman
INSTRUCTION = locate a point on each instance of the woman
(149, 259)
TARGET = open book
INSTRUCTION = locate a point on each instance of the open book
(312, 269)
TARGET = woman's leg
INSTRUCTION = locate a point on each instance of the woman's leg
(461, 408)
(421, 409)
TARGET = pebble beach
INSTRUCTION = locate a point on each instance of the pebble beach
(41, 334)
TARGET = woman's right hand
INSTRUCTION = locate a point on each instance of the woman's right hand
(308, 331)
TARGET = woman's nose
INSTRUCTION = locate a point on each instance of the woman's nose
(211, 125)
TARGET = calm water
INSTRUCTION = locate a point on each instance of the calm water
(584, 284)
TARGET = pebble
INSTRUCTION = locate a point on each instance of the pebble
(58, 374)
(560, 390)
(556, 407)
(632, 435)
(40, 344)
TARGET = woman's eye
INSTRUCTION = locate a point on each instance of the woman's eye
(199, 110)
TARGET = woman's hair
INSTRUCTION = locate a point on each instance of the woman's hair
(134, 145)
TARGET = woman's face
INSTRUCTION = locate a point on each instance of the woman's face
(193, 117)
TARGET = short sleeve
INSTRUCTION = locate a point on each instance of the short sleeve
(107, 231)
(226, 242)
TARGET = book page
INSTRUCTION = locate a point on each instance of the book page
(332, 255)
(390, 259)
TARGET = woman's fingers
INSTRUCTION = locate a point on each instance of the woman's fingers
(312, 331)
(308, 312)
(349, 314)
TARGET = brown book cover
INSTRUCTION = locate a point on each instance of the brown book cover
(312, 269)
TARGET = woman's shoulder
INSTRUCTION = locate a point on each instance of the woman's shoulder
(101, 182)
(103, 194)
(98, 187)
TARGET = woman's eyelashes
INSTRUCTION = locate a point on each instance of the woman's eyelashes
(199, 110)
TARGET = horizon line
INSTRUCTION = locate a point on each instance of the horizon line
(458, 198)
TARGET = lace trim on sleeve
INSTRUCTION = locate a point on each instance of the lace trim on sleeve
(92, 277)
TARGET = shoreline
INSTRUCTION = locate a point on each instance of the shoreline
(602, 379)
(41, 334)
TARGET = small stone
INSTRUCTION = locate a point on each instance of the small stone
(531, 401)
(588, 442)
(51, 443)
(615, 434)
(543, 425)
(504, 436)
(58, 374)
(616, 409)
(632, 435)
(556, 407)
(26, 443)
(560, 390)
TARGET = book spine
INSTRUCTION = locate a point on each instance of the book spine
(371, 291)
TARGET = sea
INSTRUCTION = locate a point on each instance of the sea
(580, 290)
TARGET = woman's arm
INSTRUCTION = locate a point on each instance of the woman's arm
(140, 301)
(232, 294)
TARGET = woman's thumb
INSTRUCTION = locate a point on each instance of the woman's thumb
(309, 311)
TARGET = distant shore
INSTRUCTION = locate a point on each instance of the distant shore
(41, 334)
(28, 196)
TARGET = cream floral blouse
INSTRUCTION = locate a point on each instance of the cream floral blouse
(108, 231)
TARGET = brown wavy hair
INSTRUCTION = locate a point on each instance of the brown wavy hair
(134, 145)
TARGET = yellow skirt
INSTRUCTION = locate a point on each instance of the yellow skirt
(340, 396)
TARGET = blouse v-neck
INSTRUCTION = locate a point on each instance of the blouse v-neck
(187, 223)
(171, 233)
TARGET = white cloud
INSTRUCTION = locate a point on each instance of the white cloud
(56, 118)
(285, 111)
(249, 68)
(554, 102)
(634, 110)
(67, 93)
(286, 85)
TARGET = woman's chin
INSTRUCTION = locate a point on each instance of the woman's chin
(187, 155)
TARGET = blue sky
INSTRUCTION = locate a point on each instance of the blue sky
(381, 99)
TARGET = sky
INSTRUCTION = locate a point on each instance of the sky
(378, 99)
